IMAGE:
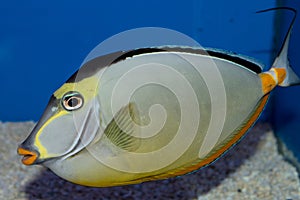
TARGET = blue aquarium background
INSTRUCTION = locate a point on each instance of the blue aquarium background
(286, 106)
(43, 43)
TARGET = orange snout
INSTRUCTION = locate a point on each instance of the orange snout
(29, 156)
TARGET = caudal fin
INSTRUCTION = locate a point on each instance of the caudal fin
(281, 61)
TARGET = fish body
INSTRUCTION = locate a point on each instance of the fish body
(151, 113)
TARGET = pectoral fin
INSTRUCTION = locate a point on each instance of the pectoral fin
(121, 128)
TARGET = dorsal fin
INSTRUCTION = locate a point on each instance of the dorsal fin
(94, 65)
(135, 52)
(245, 61)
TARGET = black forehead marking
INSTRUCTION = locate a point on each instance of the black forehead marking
(94, 65)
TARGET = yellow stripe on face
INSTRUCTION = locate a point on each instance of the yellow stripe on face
(87, 87)
(42, 150)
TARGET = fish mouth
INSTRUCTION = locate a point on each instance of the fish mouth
(29, 157)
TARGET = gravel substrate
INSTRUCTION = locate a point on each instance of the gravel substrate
(252, 170)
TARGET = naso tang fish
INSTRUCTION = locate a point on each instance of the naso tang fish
(151, 113)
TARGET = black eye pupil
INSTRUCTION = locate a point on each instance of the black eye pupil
(73, 102)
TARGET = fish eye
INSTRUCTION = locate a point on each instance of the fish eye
(72, 101)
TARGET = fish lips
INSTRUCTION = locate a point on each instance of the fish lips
(30, 156)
